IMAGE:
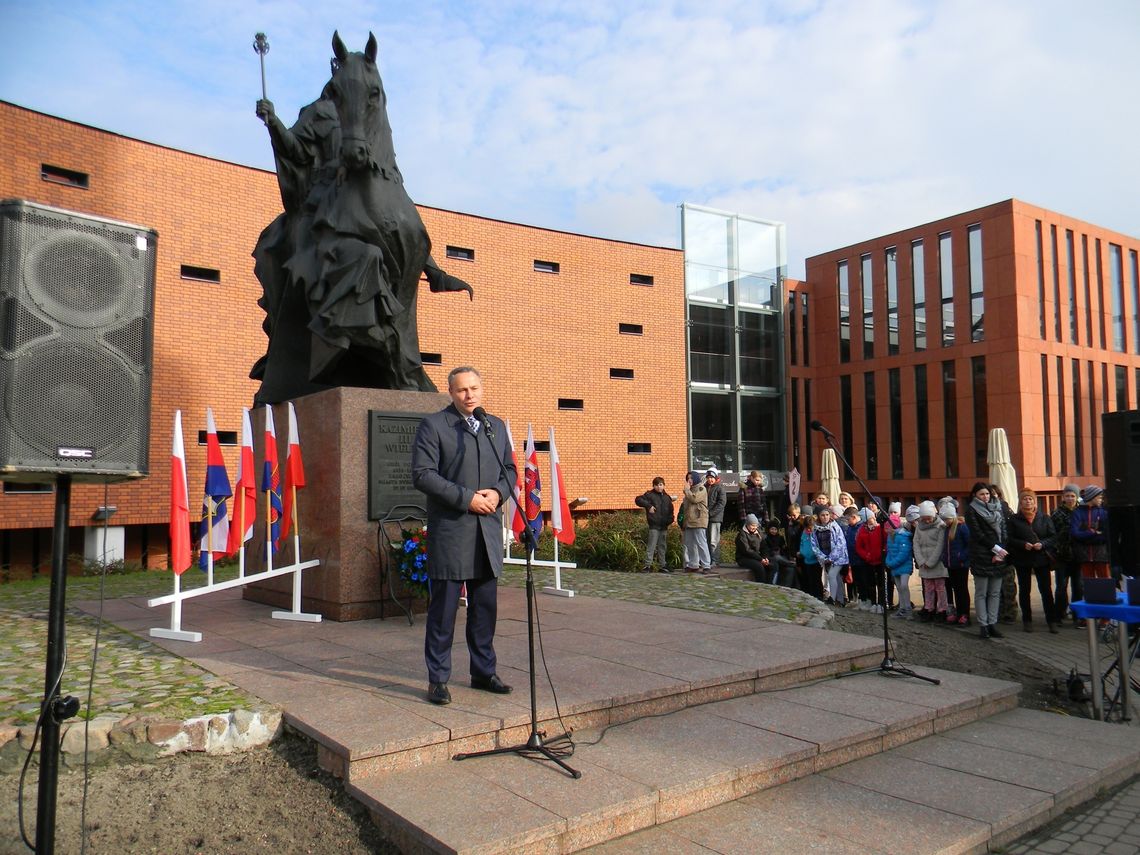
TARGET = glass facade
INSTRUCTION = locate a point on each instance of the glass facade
(1135, 300)
(1056, 284)
(918, 280)
(870, 421)
(845, 426)
(891, 260)
(977, 304)
(950, 413)
(1040, 279)
(1045, 414)
(867, 290)
(1121, 377)
(734, 286)
(981, 416)
(922, 421)
(843, 288)
(1071, 261)
(1078, 438)
(1062, 422)
(946, 284)
(894, 390)
(1116, 285)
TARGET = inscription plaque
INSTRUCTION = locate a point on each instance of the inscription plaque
(390, 437)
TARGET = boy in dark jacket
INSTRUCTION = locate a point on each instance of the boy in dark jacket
(658, 507)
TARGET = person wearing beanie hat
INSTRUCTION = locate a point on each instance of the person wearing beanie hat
(947, 513)
(1067, 571)
(900, 562)
(1030, 533)
(895, 508)
(695, 521)
(751, 550)
(871, 546)
(927, 509)
(986, 520)
(1088, 533)
(928, 544)
(948, 500)
(856, 580)
(817, 508)
(912, 514)
(718, 500)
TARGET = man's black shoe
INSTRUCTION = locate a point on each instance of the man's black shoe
(490, 684)
(438, 693)
(994, 632)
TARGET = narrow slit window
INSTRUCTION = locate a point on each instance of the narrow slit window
(545, 266)
(641, 279)
(68, 177)
(621, 373)
(431, 358)
(201, 274)
(461, 252)
(639, 448)
(19, 487)
(631, 329)
(542, 445)
(571, 404)
(225, 437)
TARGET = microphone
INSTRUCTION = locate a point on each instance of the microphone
(817, 425)
(481, 415)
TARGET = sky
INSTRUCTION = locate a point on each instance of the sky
(844, 119)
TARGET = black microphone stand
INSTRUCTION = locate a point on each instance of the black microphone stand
(535, 745)
(888, 665)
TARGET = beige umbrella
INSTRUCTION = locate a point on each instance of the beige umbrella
(829, 473)
(1002, 472)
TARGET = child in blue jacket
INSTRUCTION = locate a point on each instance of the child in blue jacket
(900, 562)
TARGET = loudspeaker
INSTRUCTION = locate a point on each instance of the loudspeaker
(76, 324)
(1121, 432)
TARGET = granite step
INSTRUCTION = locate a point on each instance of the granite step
(972, 789)
(657, 769)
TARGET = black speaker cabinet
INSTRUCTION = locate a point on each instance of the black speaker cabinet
(76, 323)
(1121, 432)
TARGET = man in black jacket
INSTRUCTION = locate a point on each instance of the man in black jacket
(658, 507)
(717, 501)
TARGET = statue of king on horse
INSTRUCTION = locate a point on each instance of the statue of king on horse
(340, 268)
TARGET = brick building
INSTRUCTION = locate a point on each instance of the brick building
(911, 346)
(578, 333)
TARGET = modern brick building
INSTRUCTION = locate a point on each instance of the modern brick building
(910, 347)
(578, 333)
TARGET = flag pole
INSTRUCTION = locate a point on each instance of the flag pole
(241, 532)
(210, 511)
(268, 531)
(296, 549)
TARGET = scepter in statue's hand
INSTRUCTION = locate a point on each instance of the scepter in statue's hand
(264, 106)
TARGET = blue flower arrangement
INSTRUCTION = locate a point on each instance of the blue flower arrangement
(410, 556)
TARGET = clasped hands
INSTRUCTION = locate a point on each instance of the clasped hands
(484, 501)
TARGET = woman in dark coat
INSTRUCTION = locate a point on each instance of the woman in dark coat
(984, 515)
(1030, 546)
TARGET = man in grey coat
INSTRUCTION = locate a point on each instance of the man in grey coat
(454, 465)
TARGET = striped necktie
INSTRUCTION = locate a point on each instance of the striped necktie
(473, 423)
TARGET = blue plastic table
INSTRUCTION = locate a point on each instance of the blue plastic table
(1123, 613)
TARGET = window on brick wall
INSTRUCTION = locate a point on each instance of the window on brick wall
(571, 404)
(545, 266)
(641, 279)
(639, 448)
(621, 373)
(631, 329)
(225, 437)
(201, 274)
(67, 177)
(461, 252)
(11, 487)
(541, 445)
(431, 358)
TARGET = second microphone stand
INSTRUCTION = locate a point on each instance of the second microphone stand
(535, 744)
(888, 665)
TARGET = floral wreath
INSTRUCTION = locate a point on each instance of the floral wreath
(410, 557)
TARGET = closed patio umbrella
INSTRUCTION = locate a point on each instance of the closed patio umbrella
(829, 473)
(1002, 472)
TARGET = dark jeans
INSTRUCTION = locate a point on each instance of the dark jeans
(864, 582)
(1044, 585)
(758, 570)
(960, 588)
(1068, 576)
(811, 580)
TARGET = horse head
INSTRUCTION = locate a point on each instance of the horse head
(361, 105)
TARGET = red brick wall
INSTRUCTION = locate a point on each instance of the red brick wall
(537, 337)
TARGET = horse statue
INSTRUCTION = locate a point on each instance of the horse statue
(340, 268)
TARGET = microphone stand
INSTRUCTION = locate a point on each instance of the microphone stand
(535, 745)
(888, 665)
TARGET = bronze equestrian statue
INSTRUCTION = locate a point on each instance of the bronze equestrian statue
(340, 268)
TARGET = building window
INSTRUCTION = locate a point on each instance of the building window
(20, 487)
(796, 423)
(759, 349)
(763, 429)
(845, 426)
(977, 301)
(1088, 292)
(200, 274)
(542, 445)
(1116, 279)
(918, 282)
(1062, 423)
(571, 404)
(804, 321)
(621, 373)
(630, 329)
(922, 417)
(981, 417)
(1072, 262)
(807, 434)
(461, 252)
(546, 266)
(66, 177)
(1078, 434)
(1121, 377)
(713, 426)
(1100, 292)
(894, 390)
(1040, 278)
(946, 283)
(1045, 414)
(225, 437)
(1093, 418)
(950, 413)
(431, 358)
(1056, 284)
(867, 288)
(711, 332)
(630, 447)
(792, 321)
(870, 423)
(891, 258)
(641, 279)
(1135, 301)
(844, 287)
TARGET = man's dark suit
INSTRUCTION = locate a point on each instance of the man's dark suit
(449, 463)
